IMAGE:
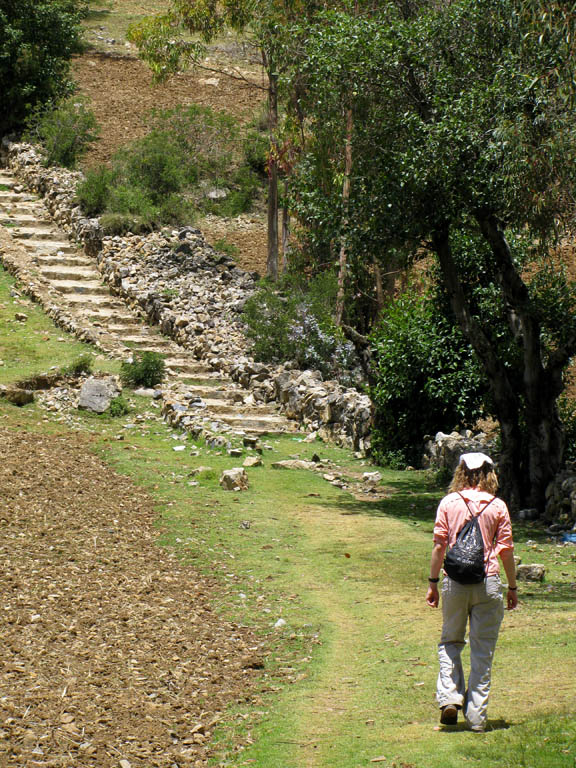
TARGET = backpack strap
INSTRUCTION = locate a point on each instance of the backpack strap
(468, 505)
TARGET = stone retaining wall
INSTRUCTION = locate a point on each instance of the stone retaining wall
(196, 295)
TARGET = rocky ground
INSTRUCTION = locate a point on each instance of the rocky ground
(111, 653)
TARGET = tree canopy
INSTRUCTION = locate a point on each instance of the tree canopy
(464, 145)
(37, 39)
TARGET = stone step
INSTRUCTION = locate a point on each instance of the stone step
(213, 391)
(8, 196)
(65, 260)
(112, 318)
(7, 181)
(87, 288)
(49, 246)
(70, 273)
(189, 365)
(261, 424)
(201, 379)
(149, 335)
(101, 301)
(23, 219)
(46, 232)
(119, 328)
(22, 209)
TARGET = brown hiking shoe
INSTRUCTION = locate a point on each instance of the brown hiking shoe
(449, 714)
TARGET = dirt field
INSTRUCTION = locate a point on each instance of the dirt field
(110, 650)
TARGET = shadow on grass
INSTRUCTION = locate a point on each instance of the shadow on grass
(411, 500)
(550, 592)
(492, 725)
(97, 14)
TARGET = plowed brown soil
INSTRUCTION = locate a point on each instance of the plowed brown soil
(111, 655)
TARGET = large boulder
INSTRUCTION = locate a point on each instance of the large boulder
(234, 479)
(97, 394)
(531, 572)
(18, 396)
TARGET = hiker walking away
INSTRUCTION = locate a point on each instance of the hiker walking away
(474, 525)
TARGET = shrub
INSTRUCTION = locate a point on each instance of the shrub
(426, 377)
(256, 147)
(207, 138)
(121, 223)
(82, 365)
(226, 247)
(146, 370)
(119, 407)
(155, 164)
(295, 323)
(93, 193)
(175, 209)
(65, 130)
(158, 179)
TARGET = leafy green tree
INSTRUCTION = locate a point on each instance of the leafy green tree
(466, 152)
(426, 377)
(37, 40)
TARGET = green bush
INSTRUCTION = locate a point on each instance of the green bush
(65, 130)
(426, 377)
(82, 365)
(294, 322)
(146, 370)
(208, 139)
(121, 223)
(93, 193)
(256, 147)
(119, 407)
(226, 247)
(162, 178)
(155, 164)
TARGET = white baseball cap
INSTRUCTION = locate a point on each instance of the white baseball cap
(475, 460)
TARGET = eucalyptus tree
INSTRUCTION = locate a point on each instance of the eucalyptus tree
(466, 152)
(163, 44)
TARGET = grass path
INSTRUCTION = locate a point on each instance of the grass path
(350, 676)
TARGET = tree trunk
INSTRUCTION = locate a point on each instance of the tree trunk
(506, 400)
(272, 260)
(285, 229)
(544, 434)
(379, 286)
(345, 216)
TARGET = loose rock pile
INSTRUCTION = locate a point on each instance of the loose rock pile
(443, 451)
(561, 499)
(196, 296)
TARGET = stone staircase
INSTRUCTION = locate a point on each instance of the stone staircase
(71, 280)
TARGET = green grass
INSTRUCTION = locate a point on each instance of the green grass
(351, 675)
(35, 345)
(359, 643)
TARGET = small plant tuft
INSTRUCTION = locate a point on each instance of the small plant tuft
(119, 407)
(83, 365)
(147, 370)
(226, 247)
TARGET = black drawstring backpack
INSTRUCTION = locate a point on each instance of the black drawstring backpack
(464, 562)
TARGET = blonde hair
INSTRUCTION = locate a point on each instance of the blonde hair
(484, 479)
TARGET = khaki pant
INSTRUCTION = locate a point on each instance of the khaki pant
(482, 605)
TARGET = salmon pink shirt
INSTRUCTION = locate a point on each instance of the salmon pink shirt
(494, 524)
